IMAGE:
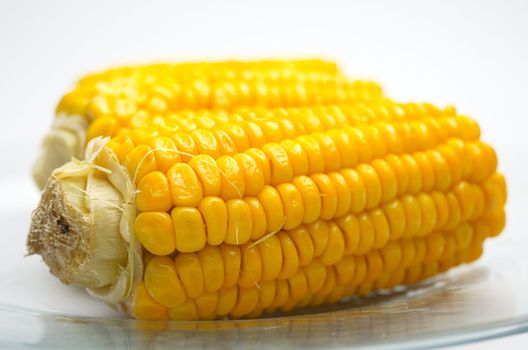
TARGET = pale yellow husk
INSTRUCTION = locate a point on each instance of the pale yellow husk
(83, 226)
(65, 139)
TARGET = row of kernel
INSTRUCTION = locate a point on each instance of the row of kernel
(314, 284)
(170, 282)
(238, 221)
(213, 71)
(282, 123)
(362, 276)
(247, 131)
(247, 173)
(160, 96)
(314, 118)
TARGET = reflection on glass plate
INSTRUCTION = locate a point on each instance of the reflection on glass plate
(483, 300)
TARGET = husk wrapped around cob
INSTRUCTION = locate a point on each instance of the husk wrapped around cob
(260, 209)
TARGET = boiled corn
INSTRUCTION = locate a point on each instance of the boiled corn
(306, 206)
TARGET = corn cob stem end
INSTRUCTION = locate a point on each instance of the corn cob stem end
(58, 234)
(75, 229)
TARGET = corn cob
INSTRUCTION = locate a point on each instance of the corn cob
(261, 210)
(102, 103)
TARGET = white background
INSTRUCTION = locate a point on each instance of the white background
(473, 54)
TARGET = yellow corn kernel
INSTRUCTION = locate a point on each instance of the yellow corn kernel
(206, 304)
(303, 244)
(315, 275)
(387, 178)
(186, 145)
(185, 186)
(442, 209)
(250, 266)
(395, 214)
(142, 136)
(254, 132)
(350, 227)
(413, 216)
(281, 294)
(329, 283)
(227, 298)
(454, 211)
(360, 272)
(344, 197)
(364, 150)
(367, 237)
(281, 166)
(262, 162)
(298, 286)
(190, 273)
(267, 291)
(155, 231)
(330, 152)
(184, 312)
(212, 267)
(328, 194)
(311, 198)
(372, 185)
(215, 215)
(358, 191)
(226, 145)
(381, 228)
(297, 156)
(145, 307)
(206, 142)
(428, 179)
(253, 175)
(270, 199)
(408, 249)
(270, 252)
(435, 247)
(239, 224)
(319, 232)
(290, 262)
(154, 193)
(316, 162)
(208, 173)
(258, 217)
(428, 214)
(162, 282)
(415, 175)
(233, 185)
(345, 144)
(139, 162)
(189, 229)
(238, 136)
(391, 256)
(165, 152)
(248, 298)
(402, 177)
(104, 126)
(232, 264)
(335, 247)
(293, 205)
(121, 145)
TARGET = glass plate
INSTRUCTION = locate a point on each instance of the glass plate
(483, 300)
